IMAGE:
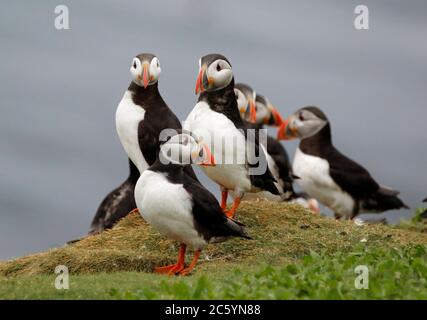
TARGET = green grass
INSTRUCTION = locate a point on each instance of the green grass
(294, 254)
(393, 274)
(416, 223)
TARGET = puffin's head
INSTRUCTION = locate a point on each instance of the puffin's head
(184, 149)
(266, 113)
(215, 73)
(145, 69)
(304, 123)
(245, 97)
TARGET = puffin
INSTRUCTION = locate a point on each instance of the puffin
(216, 118)
(264, 113)
(424, 214)
(246, 103)
(255, 108)
(326, 174)
(178, 206)
(261, 113)
(141, 116)
(116, 205)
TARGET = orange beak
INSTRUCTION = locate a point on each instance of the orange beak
(145, 75)
(199, 81)
(209, 160)
(278, 120)
(252, 111)
(282, 133)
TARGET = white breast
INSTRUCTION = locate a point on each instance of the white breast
(128, 117)
(214, 127)
(167, 207)
(316, 181)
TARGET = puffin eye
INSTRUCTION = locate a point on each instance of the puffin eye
(134, 65)
(218, 67)
(158, 64)
(301, 116)
(201, 153)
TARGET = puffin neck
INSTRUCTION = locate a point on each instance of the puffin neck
(139, 92)
(256, 126)
(172, 169)
(318, 142)
(271, 120)
(224, 101)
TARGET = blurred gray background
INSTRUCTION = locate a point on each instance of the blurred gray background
(59, 91)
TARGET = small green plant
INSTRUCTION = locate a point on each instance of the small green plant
(393, 274)
(416, 223)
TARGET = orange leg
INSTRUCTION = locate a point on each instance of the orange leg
(193, 263)
(312, 205)
(230, 213)
(224, 196)
(134, 211)
(174, 268)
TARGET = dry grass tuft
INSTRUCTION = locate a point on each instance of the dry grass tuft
(282, 233)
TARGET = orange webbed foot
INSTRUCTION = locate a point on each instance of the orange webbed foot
(187, 271)
(174, 268)
(230, 213)
(170, 270)
(134, 211)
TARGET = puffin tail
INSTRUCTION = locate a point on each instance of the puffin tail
(390, 196)
(385, 199)
(265, 182)
(237, 228)
(289, 192)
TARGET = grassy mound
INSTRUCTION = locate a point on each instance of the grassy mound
(394, 273)
(283, 234)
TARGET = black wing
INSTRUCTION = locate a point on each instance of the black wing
(264, 181)
(209, 218)
(351, 176)
(276, 150)
(117, 204)
(358, 182)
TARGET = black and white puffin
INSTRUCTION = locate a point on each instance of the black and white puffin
(141, 116)
(327, 175)
(142, 113)
(260, 114)
(117, 204)
(246, 103)
(189, 213)
(255, 108)
(216, 118)
(281, 167)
